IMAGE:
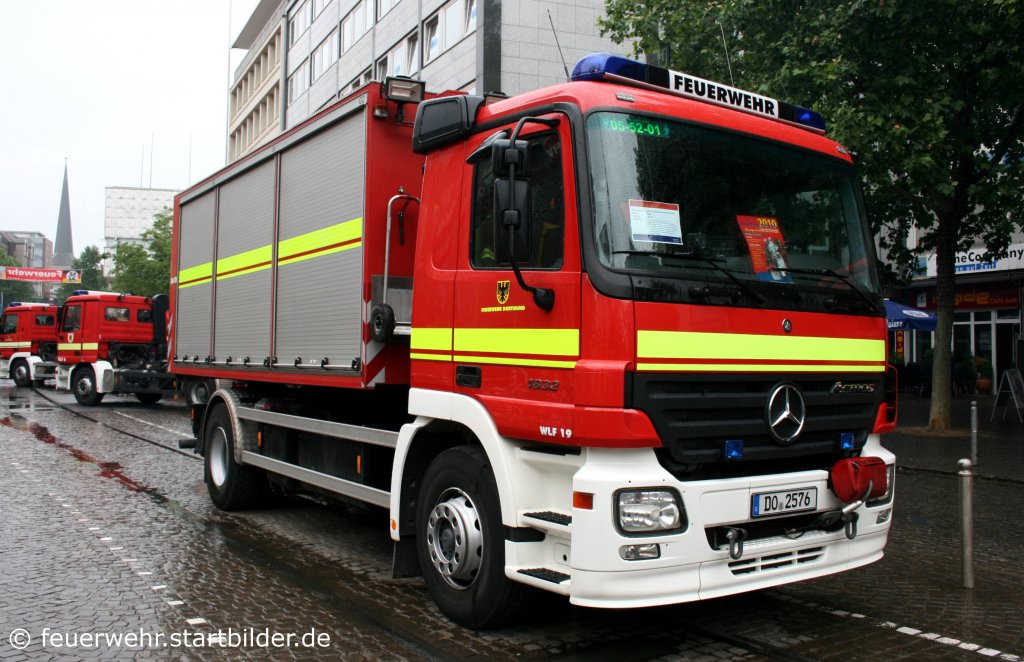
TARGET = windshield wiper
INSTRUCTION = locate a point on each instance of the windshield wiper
(707, 260)
(838, 276)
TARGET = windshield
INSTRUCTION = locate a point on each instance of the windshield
(678, 201)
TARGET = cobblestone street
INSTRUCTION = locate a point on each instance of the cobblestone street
(107, 531)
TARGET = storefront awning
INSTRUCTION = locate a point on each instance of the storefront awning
(905, 318)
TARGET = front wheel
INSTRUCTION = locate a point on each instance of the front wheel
(83, 383)
(21, 374)
(461, 543)
(149, 398)
(232, 486)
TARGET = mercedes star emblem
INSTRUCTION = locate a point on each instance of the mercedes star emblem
(785, 413)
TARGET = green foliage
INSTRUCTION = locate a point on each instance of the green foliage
(13, 290)
(929, 97)
(90, 263)
(146, 269)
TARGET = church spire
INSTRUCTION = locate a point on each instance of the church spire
(63, 248)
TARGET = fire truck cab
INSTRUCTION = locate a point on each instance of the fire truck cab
(28, 342)
(113, 343)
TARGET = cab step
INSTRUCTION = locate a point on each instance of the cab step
(545, 574)
(551, 517)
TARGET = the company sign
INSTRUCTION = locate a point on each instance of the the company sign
(34, 275)
(974, 261)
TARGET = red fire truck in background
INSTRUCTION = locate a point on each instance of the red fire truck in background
(28, 342)
(620, 339)
(113, 343)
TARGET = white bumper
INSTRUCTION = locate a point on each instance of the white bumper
(688, 568)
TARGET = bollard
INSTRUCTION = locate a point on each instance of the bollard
(974, 432)
(967, 522)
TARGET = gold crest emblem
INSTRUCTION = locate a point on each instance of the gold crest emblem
(503, 291)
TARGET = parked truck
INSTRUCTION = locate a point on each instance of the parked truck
(28, 342)
(111, 342)
(620, 339)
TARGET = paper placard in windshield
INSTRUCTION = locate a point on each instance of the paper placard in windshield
(767, 247)
(656, 222)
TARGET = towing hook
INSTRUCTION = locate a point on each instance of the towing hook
(735, 536)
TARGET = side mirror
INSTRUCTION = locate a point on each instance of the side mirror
(505, 154)
(512, 210)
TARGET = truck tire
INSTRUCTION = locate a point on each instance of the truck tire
(461, 542)
(149, 398)
(83, 384)
(21, 374)
(382, 322)
(232, 486)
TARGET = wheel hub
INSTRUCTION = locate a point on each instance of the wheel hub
(455, 539)
(218, 457)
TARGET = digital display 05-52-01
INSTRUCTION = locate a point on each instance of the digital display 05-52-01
(637, 125)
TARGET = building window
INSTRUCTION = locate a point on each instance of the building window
(359, 81)
(402, 60)
(298, 82)
(299, 22)
(384, 6)
(357, 23)
(319, 6)
(325, 55)
(448, 27)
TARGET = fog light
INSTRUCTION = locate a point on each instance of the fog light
(639, 552)
(642, 511)
(883, 516)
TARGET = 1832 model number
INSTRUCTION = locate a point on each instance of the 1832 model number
(542, 384)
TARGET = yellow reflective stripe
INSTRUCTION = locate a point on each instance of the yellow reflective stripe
(247, 262)
(82, 346)
(498, 360)
(439, 339)
(551, 342)
(739, 346)
(333, 239)
(16, 344)
(761, 367)
(195, 275)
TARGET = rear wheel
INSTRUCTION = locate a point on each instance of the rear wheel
(149, 398)
(21, 374)
(232, 486)
(83, 384)
(461, 543)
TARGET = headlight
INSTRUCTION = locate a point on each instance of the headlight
(649, 511)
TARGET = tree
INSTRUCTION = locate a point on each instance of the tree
(12, 290)
(146, 269)
(90, 264)
(928, 96)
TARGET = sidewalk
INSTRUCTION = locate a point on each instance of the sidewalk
(1000, 441)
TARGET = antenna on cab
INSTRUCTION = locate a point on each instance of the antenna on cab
(559, 46)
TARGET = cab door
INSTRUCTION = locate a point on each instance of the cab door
(509, 353)
(8, 334)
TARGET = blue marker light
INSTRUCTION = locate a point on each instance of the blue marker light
(846, 441)
(734, 449)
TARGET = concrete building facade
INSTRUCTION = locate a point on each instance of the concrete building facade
(305, 54)
(127, 213)
(30, 249)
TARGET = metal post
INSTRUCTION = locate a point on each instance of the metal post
(974, 432)
(967, 522)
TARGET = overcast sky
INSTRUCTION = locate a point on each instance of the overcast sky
(100, 81)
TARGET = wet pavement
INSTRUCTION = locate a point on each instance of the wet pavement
(107, 529)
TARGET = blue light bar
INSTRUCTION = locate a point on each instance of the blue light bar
(613, 68)
(14, 303)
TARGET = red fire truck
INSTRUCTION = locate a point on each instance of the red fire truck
(28, 342)
(620, 339)
(113, 343)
